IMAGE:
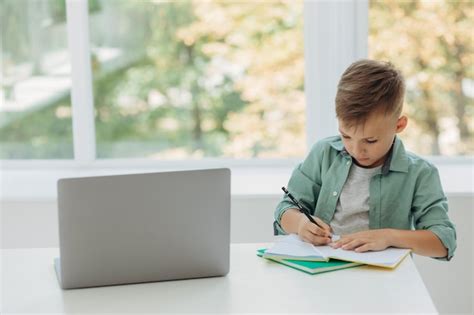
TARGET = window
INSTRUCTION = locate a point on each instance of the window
(193, 79)
(190, 84)
(431, 42)
(35, 106)
(171, 80)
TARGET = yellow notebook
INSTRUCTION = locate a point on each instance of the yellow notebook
(292, 247)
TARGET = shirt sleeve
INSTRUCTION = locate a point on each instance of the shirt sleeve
(304, 185)
(430, 209)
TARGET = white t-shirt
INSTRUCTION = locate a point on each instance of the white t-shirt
(352, 209)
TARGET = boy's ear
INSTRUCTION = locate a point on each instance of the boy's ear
(401, 124)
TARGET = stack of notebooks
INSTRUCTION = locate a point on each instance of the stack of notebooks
(293, 252)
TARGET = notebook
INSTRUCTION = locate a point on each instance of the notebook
(292, 247)
(312, 267)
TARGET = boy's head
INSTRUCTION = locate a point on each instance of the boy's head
(369, 104)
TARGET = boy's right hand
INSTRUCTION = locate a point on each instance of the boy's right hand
(311, 233)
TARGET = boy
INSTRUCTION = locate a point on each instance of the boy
(363, 185)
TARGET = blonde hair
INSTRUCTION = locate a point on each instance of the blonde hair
(369, 86)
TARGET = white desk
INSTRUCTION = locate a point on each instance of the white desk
(254, 284)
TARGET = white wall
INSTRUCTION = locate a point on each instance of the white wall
(34, 224)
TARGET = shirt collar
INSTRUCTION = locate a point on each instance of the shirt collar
(397, 160)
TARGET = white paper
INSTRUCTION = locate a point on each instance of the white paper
(388, 257)
(292, 246)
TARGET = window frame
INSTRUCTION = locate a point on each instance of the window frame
(330, 53)
(82, 100)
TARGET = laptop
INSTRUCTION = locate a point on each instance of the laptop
(136, 228)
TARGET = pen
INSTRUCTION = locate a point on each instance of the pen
(302, 209)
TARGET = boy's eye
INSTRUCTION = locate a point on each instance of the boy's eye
(371, 141)
(345, 137)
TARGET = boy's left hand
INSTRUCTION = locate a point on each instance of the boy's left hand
(364, 241)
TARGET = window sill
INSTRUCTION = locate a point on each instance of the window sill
(22, 181)
(254, 180)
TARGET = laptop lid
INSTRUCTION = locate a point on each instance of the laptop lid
(143, 227)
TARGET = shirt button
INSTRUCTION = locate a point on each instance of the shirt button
(334, 193)
(348, 162)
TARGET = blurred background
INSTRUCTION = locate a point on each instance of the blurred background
(193, 79)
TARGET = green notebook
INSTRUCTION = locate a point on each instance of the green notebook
(312, 267)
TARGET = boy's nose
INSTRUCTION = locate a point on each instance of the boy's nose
(359, 151)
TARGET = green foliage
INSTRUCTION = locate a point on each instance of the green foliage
(47, 136)
(431, 42)
(225, 79)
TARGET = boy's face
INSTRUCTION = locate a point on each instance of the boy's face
(369, 143)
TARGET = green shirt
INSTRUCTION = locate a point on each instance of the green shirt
(405, 194)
